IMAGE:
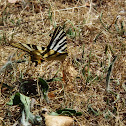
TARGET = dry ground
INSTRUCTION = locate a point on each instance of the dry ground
(96, 33)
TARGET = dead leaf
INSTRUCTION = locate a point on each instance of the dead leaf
(12, 1)
(58, 120)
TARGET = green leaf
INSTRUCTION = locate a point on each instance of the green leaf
(54, 114)
(24, 102)
(44, 87)
(15, 99)
(106, 49)
(78, 113)
(68, 111)
(83, 70)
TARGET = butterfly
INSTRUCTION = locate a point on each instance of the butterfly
(56, 50)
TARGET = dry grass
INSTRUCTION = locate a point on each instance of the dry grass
(93, 26)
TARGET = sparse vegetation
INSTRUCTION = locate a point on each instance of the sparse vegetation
(94, 82)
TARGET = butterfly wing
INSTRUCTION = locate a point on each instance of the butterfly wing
(58, 40)
(21, 46)
(56, 50)
(34, 51)
(28, 47)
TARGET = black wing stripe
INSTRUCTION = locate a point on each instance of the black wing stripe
(58, 31)
(27, 46)
(62, 35)
(58, 42)
(63, 41)
(43, 48)
(40, 48)
(34, 47)
(64, 49)
(62, 46)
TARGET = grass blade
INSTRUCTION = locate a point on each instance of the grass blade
(109, 73)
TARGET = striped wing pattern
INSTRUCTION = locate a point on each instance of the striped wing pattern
(56, 50)
(57, 46)
(58, 41)
(28, 47)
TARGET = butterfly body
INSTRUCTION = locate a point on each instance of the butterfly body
(56, 50)
(36, 57)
